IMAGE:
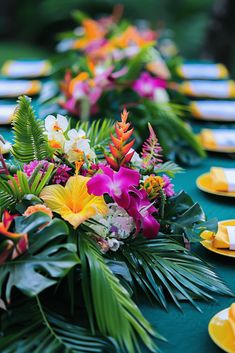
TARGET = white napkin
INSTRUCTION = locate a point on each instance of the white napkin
(230, 177)
(202, 71)
(14, 88)
(216, 110)
(27, 69)
(214, 89)
(6, 111)
(231, 236)
(224, 137)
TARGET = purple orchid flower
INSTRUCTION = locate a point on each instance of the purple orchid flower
(141, 210)
(115, 184)
(146, 85)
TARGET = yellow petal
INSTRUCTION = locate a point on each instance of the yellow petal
(55, 196)
(73, 202)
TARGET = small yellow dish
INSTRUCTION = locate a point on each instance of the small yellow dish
(204, 183)
(221, 332)
(208, 243)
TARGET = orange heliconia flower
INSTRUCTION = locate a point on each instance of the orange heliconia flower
(120, 149)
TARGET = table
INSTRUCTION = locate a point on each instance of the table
(187, 331)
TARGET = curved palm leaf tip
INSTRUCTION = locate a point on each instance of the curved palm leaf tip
(108, 303)
(30, 327)
(29, 139)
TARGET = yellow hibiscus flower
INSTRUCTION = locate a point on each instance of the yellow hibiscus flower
(73, 202)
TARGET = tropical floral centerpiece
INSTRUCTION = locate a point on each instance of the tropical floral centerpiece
(87, 223)
(117, 65)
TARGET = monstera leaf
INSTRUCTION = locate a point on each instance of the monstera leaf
(183, 216)
(40, 267)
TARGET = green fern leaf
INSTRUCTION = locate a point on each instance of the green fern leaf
(29, 140)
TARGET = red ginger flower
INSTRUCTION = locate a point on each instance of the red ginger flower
(120, 149)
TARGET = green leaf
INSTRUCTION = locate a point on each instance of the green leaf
(169, 168)
(162, 266)
(183, 216)
(108, 304)
(30, 327)
(29, 139)
(98, 131)
(46, 261)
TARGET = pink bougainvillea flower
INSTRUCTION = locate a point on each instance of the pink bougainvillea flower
(141, 209)
(146, 85)
(115, 184)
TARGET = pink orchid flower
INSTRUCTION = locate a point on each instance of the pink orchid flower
(146, 85)
(115, 184)
(141, 210)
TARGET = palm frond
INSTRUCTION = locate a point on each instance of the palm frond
(30, 327)
(169, 168)
(108, 303)
(98, 131)
(29, 139)
(162, 267)
(12, 192)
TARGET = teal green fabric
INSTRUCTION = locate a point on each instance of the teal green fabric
(187, 331)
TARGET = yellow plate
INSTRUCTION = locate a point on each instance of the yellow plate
(204, 183)
(221, 332)
(208, 244)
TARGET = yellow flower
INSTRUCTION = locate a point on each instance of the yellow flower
(153, 184)
(73, 202)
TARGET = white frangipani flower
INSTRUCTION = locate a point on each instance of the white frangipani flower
(77, 146)
(58, 124)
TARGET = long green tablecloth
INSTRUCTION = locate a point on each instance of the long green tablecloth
(187, 331)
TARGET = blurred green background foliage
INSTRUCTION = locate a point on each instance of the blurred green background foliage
(29, 27)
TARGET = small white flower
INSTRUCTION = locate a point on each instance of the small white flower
(136, 160)
(5, 147)
(56, 139)
(60, 123)
(114, 244)
(77, 146)
(74, 134)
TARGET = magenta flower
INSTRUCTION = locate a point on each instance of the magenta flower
(141, 209)
(115, 184)
(168, 188)
(28, 169)
(60, 177)
(146, 85)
